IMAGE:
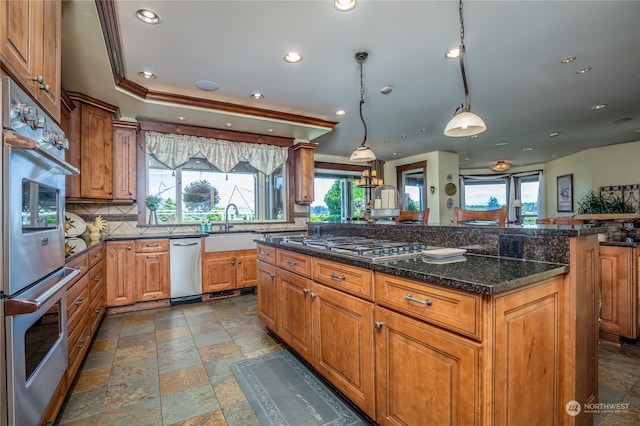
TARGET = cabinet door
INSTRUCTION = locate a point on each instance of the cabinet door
(618, 291)
(294, 312)
(218, 272)
(304, 172)
(121, 273)
(124, 161)
(426, 376)
(152, 276)
(48, 92)
(20, 42)
(343, 344)
(96, 177)
(267, 294)
(246, 270)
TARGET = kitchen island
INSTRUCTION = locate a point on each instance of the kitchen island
(488, 340)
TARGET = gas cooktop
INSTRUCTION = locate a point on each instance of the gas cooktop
(362, 248)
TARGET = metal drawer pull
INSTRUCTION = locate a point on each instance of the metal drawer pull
(313, 295)
(80, 301)
(427, 302)
(97, 254)
(98, 278)
(81, 343)
(152, 245)
(305, 290)
(264, 253)
(378, 325)
(152, 257)
(98, 310)
(272, 275)
(292, 262)
(340, 277)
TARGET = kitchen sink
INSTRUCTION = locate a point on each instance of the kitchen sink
(230, 242)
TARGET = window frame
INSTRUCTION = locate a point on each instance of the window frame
(401, 172)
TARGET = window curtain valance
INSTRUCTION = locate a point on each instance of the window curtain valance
(175, 150)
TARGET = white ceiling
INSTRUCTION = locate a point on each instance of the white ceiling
(517, 83)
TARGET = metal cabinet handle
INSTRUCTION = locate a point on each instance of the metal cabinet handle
(378, 325)
(98, 310)
(98, 278)
(340, 277)
(98, 254)
(45, 87)
(152, 257)
(81, 343)
(233, 262)
(130, 193)
(109, 193)
(152, 245)
(305, 290)
(129, 248)
(410, 298)
(292, 262)
(39, 79)
(272, 275)
(80, 301)
(239, 262)
(313, 295)
(264, 253)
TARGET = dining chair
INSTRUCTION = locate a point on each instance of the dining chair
(413, 216)
(499, 216)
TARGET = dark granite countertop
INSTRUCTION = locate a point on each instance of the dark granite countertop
(478, 274)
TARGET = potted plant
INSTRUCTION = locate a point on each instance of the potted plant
(153, 202)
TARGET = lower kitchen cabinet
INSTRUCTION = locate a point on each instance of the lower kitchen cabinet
(152, 270)
(619, 292)
(121, 276)
(294, 312)
(343, 345)
(268, 294)
(426, 376)
(228, 270)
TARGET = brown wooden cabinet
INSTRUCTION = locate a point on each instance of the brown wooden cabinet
(267, 294)
(619, 292)
(30, 46)
(304, 175)
(228, 270)
(121, 276)
(294, 312)
(124, 160)
(90, 134)
(152, 270)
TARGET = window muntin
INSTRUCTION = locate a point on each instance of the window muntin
(259, 197)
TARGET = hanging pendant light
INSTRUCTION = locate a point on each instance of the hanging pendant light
(464, 122)
(362, 153)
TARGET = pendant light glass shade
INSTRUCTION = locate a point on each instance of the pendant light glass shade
(463, 124)
(362, 154)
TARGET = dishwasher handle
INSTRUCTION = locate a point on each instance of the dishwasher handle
(185, 244)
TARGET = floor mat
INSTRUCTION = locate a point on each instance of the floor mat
(283, 391)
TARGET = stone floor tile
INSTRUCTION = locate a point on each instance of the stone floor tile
(220, 351)
(173, 322)
(205, 327)
(183, 378)
(98, 360)
(178, 359)
(240, 414)
(213, 418)
(137, 340)
(141, 328)
(189, 403)
(135, 353)
(229, 393)
(87, 380)
(167, 334)
(104, 345)
(212, 338)
(82, 404)
(146, 412)
(138, 318)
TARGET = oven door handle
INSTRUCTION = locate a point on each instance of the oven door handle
(16, 140)
(35, 297)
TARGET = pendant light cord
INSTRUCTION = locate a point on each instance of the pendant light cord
(364, 124)
(467, 103)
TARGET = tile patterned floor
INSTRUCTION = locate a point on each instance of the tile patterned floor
(169, 366)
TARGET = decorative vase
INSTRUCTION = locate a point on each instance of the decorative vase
(153, 217)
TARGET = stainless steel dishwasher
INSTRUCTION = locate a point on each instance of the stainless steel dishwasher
(186, 270)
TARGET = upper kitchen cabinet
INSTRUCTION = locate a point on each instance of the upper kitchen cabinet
(304, 172)
(30, 32)
(90, 134)
(124, 160)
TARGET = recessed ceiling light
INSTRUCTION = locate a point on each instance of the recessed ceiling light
(403, 136)
(568, 59)
(344, 5)
(386, 89)
(181, 118)
(423, 130)
(527, 149)
(228, 124)
(395, 153)
(270, 130)
(502, 143)
(473, 136)
(292, 57)
(206, 85)
(453, 53)
(341, 112)
(148, 16)
(599, 106)
(554, 134)
(256, 95)
(387, 141)
(147, 74)
(583, 70)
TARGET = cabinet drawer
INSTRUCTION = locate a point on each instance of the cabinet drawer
(77, 302)
(96, 255)
(96, 310)
(294, 262)
(96, 279)
(82, 263)
(358, 281)
(79, 341)
(267, 254)
(147, 246)
(455, 310)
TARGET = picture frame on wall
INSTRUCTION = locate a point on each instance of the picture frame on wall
(565, 193)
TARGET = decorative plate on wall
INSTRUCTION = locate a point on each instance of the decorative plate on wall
(450, 188)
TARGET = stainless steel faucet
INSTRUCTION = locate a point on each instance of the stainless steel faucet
(226, 216)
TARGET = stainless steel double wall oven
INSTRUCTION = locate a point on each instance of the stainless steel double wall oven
(34, 277)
